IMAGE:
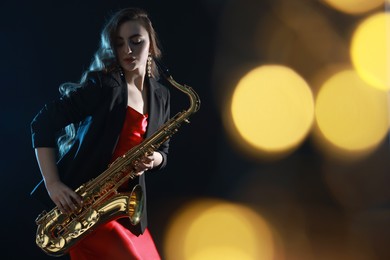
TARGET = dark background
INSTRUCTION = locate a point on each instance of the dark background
(45, 43)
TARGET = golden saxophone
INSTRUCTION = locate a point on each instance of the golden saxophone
(57, 232)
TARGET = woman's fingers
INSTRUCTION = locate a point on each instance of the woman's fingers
(65, 198)
(143, 164)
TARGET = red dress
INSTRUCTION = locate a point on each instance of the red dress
(112, 241)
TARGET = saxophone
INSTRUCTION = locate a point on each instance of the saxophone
(102, 202)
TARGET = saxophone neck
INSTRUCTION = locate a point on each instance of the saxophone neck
(194, 97)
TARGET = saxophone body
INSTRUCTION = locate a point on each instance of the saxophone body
(102, 202)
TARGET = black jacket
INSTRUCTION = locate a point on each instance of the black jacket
(99, 108)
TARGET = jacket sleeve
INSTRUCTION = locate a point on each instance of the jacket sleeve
(59, 113)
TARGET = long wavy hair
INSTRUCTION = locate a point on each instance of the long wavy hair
(105, 59)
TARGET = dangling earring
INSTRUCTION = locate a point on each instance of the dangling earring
(149, 65)
(120, 71)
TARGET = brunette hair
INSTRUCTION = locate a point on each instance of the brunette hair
(105, 56)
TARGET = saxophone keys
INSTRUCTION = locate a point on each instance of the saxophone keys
(40, 217)
(149, 153)
(42, 240)
(93, 216)
(58, 244)
(76, 228)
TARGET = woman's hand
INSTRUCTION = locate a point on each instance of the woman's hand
(143, 164)
(64, 197)
(147, 162)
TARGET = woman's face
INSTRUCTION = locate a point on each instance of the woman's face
(132, 47)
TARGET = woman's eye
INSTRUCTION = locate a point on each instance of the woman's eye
(136, 41)
(119, 44)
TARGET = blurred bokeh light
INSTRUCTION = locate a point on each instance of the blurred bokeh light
(212, 229)
(315, 197)
(272, 109)
(300, 35)
(351, 116)
(369, 50)
(354, 6)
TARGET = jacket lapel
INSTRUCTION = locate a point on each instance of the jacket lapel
(155, 107)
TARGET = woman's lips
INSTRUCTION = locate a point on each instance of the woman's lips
(129, 60)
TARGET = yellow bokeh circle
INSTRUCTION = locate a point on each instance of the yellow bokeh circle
(370, 50)
(272, 108)
(350, 115)
(354, 6)
(212, 230)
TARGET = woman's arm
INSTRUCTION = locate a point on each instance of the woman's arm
(64, 197)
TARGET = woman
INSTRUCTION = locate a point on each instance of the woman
(117, 104)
